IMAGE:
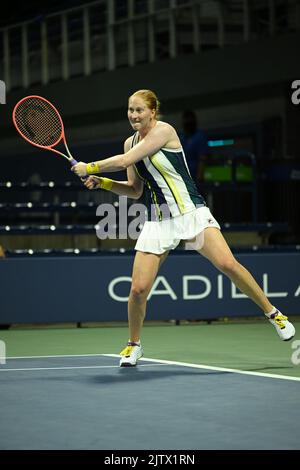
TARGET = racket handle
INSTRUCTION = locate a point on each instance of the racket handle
(74, 162)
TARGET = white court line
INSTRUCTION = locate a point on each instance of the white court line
(161, 361)
(55, 355)
(221, 369)
(73, 367)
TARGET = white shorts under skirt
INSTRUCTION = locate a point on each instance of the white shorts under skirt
(159, 237)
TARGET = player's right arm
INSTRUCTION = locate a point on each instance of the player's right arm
(132, 188)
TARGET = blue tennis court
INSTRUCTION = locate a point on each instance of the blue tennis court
(88, 402)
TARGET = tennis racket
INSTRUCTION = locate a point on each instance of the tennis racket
(39, 122)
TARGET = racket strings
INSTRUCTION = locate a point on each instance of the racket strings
(39, 122)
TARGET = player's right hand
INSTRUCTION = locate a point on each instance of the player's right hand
(92, 182)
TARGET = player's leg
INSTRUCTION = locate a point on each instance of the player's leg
(145, 269)
(216, 249)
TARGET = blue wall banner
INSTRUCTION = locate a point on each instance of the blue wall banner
(86, 289)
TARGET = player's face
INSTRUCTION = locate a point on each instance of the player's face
(139, 115)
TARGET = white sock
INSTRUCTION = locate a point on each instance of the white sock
(274, 310)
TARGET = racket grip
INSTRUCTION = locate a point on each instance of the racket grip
(74, 162)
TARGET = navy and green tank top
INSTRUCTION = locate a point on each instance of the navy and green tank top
(169, 189)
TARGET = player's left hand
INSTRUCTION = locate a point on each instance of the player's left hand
(92, 182)
(80, 169)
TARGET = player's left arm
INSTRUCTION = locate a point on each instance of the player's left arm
(157, 138)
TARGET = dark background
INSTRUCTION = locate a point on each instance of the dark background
(240, 90)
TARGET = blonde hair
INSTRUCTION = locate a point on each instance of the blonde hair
(150, 99)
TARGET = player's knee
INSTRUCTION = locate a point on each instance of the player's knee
(139, 290)
(228, 265)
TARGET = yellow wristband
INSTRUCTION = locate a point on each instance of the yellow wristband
(93, 168)
(106, 183)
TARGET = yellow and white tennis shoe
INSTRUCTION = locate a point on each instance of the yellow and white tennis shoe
(284, 328)
(131, 354)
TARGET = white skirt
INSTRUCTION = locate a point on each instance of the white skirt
(159, 237)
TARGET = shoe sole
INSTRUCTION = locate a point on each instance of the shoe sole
(127, 365)
(289, 339)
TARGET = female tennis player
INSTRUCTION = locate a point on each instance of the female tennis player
(156, 166)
